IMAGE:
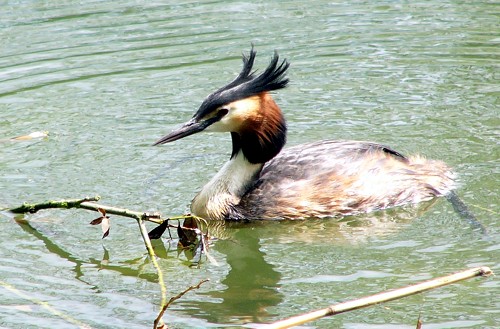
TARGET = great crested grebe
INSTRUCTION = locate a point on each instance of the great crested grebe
(314, 180)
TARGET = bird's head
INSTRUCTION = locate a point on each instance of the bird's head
(244, 108)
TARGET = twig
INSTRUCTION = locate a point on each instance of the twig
(65, 204)
(419, 322)
(173, 299)
(379, 298)
(144, 233)
(89, 204)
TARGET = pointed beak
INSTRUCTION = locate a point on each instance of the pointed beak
(189, 128)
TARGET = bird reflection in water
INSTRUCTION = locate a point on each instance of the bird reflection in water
(251, 285)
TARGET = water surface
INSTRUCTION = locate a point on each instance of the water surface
(107, 79)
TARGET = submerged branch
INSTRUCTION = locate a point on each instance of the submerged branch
(173, 299)
(379, 298)
(158, 323)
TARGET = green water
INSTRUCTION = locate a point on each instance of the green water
(106, 79)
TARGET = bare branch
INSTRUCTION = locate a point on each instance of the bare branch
(88, 203)
(379, 298)
(173, 299)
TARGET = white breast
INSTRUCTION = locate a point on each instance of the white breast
(225, 189)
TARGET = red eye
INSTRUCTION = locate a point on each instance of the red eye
(222, 112)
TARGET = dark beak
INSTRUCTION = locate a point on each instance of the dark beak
(189, 128)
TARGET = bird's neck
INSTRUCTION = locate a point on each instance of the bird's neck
(225, 189)
(263, 136)
(259, 140)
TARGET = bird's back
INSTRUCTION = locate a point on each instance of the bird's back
(337, 178)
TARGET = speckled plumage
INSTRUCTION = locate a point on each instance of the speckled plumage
(338, 178)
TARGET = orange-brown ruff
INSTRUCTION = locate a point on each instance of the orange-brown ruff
(319, 179)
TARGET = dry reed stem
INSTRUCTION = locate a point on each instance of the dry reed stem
(379, 298)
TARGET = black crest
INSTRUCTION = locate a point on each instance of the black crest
(247, 83)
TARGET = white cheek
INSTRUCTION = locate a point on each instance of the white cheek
(219, 126)
(226, 124)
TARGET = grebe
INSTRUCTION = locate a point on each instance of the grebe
(314, 180)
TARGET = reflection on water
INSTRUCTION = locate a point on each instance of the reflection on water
(54, 248)
(346, 230)
(251, 285)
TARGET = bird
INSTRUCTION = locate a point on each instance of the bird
(328, 178)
